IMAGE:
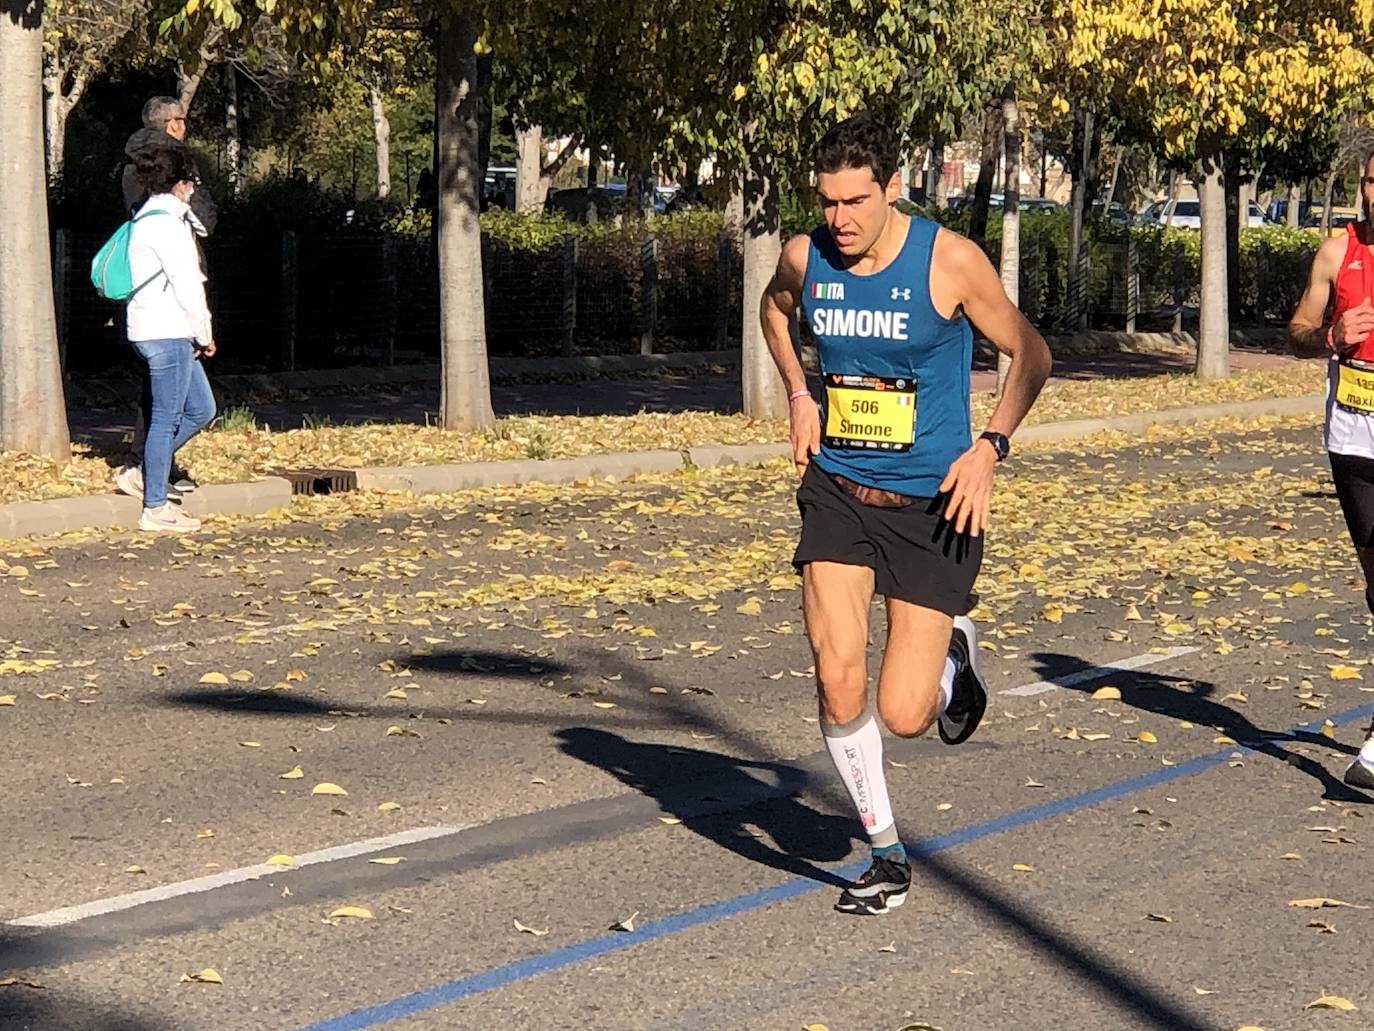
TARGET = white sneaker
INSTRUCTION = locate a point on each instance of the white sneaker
(167, 519)
(129, 480)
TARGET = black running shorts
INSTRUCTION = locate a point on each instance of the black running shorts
(913, 551)
(1354, 477)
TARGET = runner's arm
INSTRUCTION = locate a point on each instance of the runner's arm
(780, 300)
(966, 274)
(1306, 329)
(987, 306)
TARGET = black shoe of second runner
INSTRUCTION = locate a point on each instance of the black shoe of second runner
(970, 697)
(882, 887)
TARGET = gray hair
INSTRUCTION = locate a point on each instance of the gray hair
(161, 110)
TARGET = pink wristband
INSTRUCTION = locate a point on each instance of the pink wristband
(803, 392)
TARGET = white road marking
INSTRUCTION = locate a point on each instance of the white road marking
(100, 907)
(1098, 672)
(71, 914)
(265, 631)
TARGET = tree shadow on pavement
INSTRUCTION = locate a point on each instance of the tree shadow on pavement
(1182, 698)
(666, 773)
(24, 1008)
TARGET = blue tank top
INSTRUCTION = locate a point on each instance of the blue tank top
(895, 372)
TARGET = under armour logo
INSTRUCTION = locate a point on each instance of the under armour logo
(902, 292)
(1356, 265)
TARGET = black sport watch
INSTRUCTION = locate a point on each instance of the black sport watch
(999, 443)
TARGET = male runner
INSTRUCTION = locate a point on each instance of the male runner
(894, 493)
(1342, 279)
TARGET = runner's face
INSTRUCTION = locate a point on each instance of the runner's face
(856, 206)
(1367, 187)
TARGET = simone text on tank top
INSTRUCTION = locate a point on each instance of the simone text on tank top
(895, 372)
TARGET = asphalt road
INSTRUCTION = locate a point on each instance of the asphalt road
(570, 707)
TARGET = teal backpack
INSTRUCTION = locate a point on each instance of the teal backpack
(111, 275)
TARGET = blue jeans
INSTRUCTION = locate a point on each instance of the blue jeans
(182, 406)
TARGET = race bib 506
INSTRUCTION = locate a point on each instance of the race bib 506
(873, 412)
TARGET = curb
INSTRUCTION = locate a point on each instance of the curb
(115, 511)
(102, 511)
(1139, 422)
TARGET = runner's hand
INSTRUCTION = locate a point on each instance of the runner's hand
(806, 430)
(969, 486)
(1353, 327)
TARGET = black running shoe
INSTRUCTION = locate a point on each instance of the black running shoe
(1360, 774)
(883, 886)
(965, 710)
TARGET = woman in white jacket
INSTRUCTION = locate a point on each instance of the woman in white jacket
(169, 326)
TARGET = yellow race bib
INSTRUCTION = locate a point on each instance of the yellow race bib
(873, 412)
(1355, 388)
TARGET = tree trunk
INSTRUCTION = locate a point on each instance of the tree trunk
(1011, 213)
(381, 138)
(1326, 202)
(483, 81)
(529, 164)
(765, 395)
(937, 192)
(1110, 195)
(465, 401)
(1213, 338)
(33, 413)
(1290, 213)
(187, 85)
(54, 118)
(1235, 197)
(1078, 202)
(987, 171)
(231, 127)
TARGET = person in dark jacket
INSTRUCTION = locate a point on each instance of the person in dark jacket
(164, 126)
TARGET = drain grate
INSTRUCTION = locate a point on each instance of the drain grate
(319, 481)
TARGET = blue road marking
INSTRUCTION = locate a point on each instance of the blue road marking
(509, 973)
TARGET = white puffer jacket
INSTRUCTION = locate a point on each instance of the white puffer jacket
(163, 254)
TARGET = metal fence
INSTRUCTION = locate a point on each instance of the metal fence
(298, 301)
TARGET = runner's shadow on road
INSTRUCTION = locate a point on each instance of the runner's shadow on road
(1182, 698)
(690, 783)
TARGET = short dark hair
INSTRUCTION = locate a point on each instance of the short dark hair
(859, 142)
(160, 168)
(158, 111)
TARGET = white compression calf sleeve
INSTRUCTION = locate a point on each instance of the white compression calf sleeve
(857, 751)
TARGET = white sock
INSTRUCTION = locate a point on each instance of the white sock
(1367, 752)
(947, 682)
(857, 751)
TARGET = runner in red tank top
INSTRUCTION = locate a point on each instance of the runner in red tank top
(1342, 283)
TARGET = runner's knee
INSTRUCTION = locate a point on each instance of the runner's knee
(911, 717)
(842, 686)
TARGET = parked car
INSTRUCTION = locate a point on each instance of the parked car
(1340, 218)
(1277, 212)
(997, 200)
(1187, 214)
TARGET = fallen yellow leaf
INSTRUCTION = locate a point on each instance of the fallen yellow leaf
(326, 788)
(1330, 1002)
(1108, 694)
(207, 976)
(295, 773)
(351, 913)
(214, 678)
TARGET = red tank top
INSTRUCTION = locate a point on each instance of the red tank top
(1355, 283)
